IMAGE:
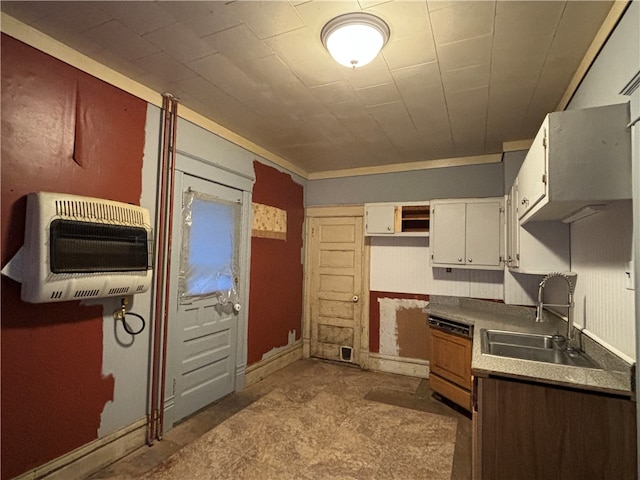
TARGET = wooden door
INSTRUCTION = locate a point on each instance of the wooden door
(335, 261)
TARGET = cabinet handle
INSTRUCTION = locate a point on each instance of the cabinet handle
(388, 229)
(460, 259)
(469, 260)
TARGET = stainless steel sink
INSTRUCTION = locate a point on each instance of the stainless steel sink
(537, 348)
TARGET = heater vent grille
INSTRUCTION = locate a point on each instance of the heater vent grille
(98, 212)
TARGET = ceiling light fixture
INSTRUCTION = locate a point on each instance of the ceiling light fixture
(355, 39)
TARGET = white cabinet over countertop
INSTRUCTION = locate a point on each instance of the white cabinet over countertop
(405, 219)
(579, 158)
(537, 247)
(467, 233)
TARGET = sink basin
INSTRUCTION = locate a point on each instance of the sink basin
(527, 346)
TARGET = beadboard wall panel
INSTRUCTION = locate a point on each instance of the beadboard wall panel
(401, 264)
(601, 249)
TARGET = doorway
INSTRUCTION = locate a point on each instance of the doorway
(336, 286)
(204, 296)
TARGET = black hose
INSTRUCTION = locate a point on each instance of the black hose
(126, 325)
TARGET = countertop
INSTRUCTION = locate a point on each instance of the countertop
(615, 377)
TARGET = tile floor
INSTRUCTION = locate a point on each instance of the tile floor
(306, 375)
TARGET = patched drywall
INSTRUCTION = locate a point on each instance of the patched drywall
(402, 328)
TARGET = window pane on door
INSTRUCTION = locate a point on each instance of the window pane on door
(208, 251)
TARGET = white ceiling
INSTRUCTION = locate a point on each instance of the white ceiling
(456, 78)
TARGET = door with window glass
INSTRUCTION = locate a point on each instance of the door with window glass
(204, 303)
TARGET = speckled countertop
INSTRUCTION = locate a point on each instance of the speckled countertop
(614, 377)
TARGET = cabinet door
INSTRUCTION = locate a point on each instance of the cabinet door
(450, 357)
(380, 219)
(448, 233)
(513, 227)
(532, 186)
(483, 233)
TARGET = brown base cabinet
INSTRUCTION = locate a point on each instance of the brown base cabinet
(450, 366)
(531, 431)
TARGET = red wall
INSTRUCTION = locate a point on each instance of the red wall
(62, 131)
(275, 300)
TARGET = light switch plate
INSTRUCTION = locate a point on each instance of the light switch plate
(630, 283)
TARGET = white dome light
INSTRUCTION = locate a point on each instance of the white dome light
(355, 39)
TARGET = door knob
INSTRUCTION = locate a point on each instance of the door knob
(355, 299)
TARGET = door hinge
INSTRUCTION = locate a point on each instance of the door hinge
(544, 178)
(173, 387)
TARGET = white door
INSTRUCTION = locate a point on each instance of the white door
(335, 253)
(203, 321)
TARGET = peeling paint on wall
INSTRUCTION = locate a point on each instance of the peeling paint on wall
(274, 351)
(403, 331)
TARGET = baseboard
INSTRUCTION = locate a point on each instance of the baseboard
(412, 367)
(93, 456)
(256, 372)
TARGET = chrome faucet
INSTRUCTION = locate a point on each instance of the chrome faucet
(569, 305)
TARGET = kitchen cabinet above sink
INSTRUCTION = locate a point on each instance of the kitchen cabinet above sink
(579, 158)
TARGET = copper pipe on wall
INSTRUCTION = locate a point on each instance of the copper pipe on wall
(172, 173)
(158, 333)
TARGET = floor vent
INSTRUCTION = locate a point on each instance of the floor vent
(346, 354)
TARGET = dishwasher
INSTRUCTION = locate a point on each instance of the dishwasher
(450, 360)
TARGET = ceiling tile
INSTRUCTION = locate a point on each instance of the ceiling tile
(271, 71)
(409, 51)
(203, 18)
(405, 19)
(297, 46)
(141, 17)
(317, 14)
(416, 78)
(267, 19)
(394, 119)
(238, 43)
(164, 68)
(379, 94)
(320, 71)
(462, 20)
(330, 127)
(466, 78)
(77, 16)
(223, 73)
(27, 12)
(180, 42)
(118, 38)
(375, 73)
(334, 92)
(465, 53)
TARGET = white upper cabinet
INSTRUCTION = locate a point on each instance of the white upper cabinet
(537, 247)
(467, 233)
(578, 158)
(407, 219)
(380, 219)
